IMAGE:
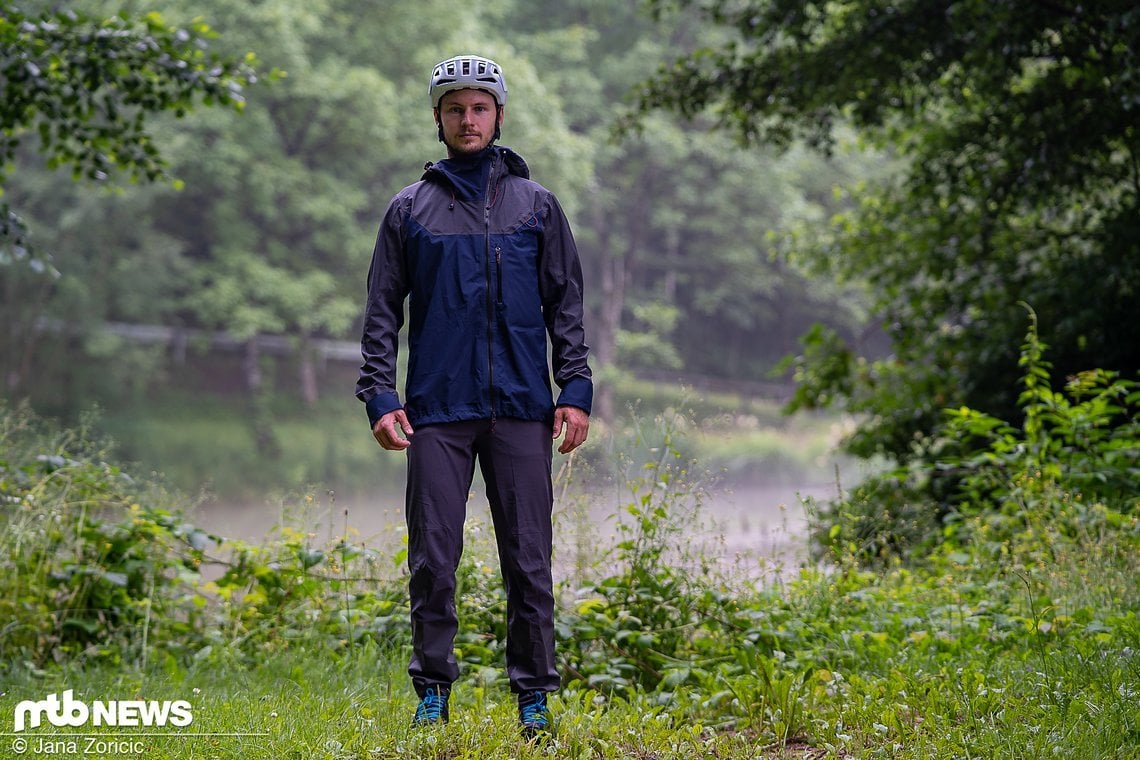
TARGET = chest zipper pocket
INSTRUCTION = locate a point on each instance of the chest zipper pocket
(499, 274)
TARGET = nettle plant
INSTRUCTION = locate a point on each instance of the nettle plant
(90, 568)
(657, 616)
(1072, 466)
(96, 566)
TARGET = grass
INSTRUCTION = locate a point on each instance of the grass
(901, 665)
(962, 658)
(1015, 638)
(308, 706)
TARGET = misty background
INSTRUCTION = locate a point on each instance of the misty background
(212, 324)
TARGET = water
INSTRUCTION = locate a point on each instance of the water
(752, 531)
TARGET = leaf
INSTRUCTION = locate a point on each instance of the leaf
(114, 578)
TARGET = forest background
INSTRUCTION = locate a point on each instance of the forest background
(759, 226)
(214, 322)
(913, 223)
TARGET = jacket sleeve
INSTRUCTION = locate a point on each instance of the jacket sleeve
(560, 285)
(383, 317)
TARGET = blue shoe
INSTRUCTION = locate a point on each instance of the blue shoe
(432, 709)
(534, 714)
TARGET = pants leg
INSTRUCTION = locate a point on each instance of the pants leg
(441, 464)
(515, 459)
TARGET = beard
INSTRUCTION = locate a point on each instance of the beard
(456, 147)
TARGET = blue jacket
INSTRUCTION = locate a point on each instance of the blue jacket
(487, 262)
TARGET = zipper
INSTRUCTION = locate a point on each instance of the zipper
(499, 273)
(489, 299)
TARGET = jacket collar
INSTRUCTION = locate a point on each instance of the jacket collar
(502, 161)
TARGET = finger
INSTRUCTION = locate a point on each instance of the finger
(395, 440)
(575, 436)
(377, 432)
(406, 426)
(387, 437)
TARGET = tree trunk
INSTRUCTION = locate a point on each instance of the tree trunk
(260, 417)
(609, 318)
(308, 371)
(251, 367)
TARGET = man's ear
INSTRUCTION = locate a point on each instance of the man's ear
(502, 113)
(435, 115)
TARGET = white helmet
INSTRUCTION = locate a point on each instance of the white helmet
(467, 72)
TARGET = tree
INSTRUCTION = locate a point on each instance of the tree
(270, 234)
(88, 90)
(287, 202)
(676, 227)
(1016, 125)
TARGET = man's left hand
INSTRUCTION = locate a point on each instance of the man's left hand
(576, 424)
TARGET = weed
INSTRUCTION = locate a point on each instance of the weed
(1016, 636)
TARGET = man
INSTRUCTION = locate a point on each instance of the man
(486, 260)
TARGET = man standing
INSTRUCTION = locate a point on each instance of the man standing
(487, 263)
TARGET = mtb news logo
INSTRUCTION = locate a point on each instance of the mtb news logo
(70, 712)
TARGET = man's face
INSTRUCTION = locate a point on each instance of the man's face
(468, 119)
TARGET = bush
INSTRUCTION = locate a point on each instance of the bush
(1073, 463)
(92, 564)
(98, 566)
(1010, 634)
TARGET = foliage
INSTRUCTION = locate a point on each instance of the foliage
(291, 588)
(87, 87)
(90, 90)
(89, 573)
(1073, 464)
(629, 626)
(1086, 438)
(273, 219)
(1026, 648)
(1014, 125)
(271, 231)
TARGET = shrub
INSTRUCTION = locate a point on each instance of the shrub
(92, 565)
(1074, 461)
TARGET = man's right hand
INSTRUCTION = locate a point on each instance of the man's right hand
(387, 430)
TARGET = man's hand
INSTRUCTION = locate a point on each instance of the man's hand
(577, 426)
(386, 434)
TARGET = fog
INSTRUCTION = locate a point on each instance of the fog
(753, 531)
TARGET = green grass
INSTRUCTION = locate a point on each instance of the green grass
(1016, 639)
(308, 705)
(902, 665)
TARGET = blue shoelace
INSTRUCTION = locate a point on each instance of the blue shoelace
(431, 707)
(533, 713)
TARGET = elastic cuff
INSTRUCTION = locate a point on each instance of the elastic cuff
(379, 405)
(579, 392)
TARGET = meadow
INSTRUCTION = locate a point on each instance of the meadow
(1014, 635)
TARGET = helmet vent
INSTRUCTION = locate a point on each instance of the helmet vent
(467, 71)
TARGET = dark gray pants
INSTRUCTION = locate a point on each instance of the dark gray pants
(515, 458)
